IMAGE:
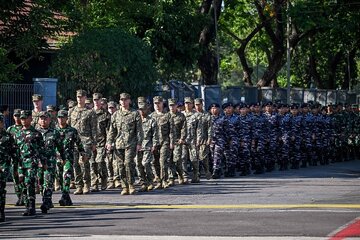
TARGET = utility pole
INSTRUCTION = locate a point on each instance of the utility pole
(216, 40)
(288, 50)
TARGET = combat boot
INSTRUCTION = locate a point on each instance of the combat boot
(125, 191)
(111, 185)
(150, 187)
(143, 188)
(72, 185)
(117, 184)
(216, 174)
(2, 211)
(86, 189)
(78, 191)
(171, 183)
(158, 186)
(94, 188)
(65, 200)
(185, 181)
(30, 208)
(20, 202)
(103, 185)
(132, 190)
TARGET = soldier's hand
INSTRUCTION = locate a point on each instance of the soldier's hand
(181, 141)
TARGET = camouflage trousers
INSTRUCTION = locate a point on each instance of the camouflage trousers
(204, 157)
(258, 153)
(125, 160)
(98, 169)
(175, 162)
(283, 158)
(66, 171)
(109, 160)
(160, 163)
(231, 154)
(245, 154)
(49, 178)
(82, 169)
(217, 152)
(17, 185)
(189, 152)
(143, 166)
(4, 171)
(27, 178)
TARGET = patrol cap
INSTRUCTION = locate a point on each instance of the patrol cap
(44, 114)
(1, 117)
(97, 96)
(188, 100)
(25, 113)
(17, 112)
(111, 104)
(216, 105)
(227, 104)
(81, 93)
(198, 101)
(141, 99)
(172, 101)
(62, 107)
(88, 101)
(37, 97)
(62, 114)
(50, 108)
(142, 105)
(71, 104)
(157, 99)
(125, 96)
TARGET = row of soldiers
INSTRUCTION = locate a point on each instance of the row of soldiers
(99, 145)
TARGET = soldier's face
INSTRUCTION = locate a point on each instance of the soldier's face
(294, 111)
(26, 122)
(268, 108)
(44, 122)
(189, 106)
(173, 108)
(229, 110)
(215, 111)
(198, 107)
(158, 106)
(125, 102)
(111, 109)
(243, 111)
(62, 120)
(37, 104)
(17, 119)
(97, 103)
(81, 99)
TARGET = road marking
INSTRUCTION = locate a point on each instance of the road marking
(351, 229)
(237, 206)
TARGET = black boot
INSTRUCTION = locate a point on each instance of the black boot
(30, 208)
(65, 200)
(216, 174)
(68, 199)
(2, 212)
(45, 206)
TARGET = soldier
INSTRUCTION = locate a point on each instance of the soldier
(126, 135)
(110, 163)
(317, 135)
(52, 109)
(53, 143)
(245, 136)
(190, 150)
(7, 152)
(175, 164)
(285, 133)
(17, 186)
(70, 139)
(97, 161)
(296, 125)
(166, 142)
(71, 104)
(149, 143)
(30, 145)
(203, 136)
(37, 100)
(272, 140)
(85, 122)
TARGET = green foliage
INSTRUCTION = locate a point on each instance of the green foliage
(108, 61)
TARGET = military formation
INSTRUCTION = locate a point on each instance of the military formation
(95, 145)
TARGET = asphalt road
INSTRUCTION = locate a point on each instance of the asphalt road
(320, 202)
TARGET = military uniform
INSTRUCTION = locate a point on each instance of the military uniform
(245, 136)
(180, 131)
(272, 140)
(126, 132)
(85, 122)
(7, 152)
(17, 186)
(110, 163)
(166, 137)
(31, 156)
(285, 133)
(296, 125)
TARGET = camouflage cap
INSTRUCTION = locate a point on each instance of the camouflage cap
(158, 99)
(97, 96)
(81, 93)
(50, 108)
(354, 106)
(198, 101)
(172, 101)
(112, 104)
(37, 97)
(125, 96)
(62, 114)
(44, 114)
(88, 101)
(1, 117)
(71, 104)
(104, 100)
(188, 100)
(142, 105)
(17, 112)
(25, 113)
(141, 99)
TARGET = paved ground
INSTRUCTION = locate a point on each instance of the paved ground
(315, 203)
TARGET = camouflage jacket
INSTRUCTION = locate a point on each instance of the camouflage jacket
(192, 124)
(7, 149)
(166, 127)
(70, 140)
(151, 133)
(179, 125)
(125, 129)
(85, 122)
(35, 119)
(52, 143)
(204, 128)
(103, 123)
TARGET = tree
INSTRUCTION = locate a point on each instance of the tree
(108, 61)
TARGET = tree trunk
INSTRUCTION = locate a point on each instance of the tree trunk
(313, 73)
(207, 61)
(333, 63)
(275, 65)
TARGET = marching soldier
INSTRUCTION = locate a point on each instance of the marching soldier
(110, 163)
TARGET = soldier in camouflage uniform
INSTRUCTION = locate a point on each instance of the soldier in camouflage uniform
(53, 143)
(296, 125)
(166, 142)
(7, 152)
(85, 122)
(52, 109)
(97, 161)
(285, 133)
(17, 186)
(70, 140)
(175, 163)
(149, 143)
(110, 163)
(203, 136)
(126, 135)
(272, 141)
(190, 150)
(245, 136)
(31, 147)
